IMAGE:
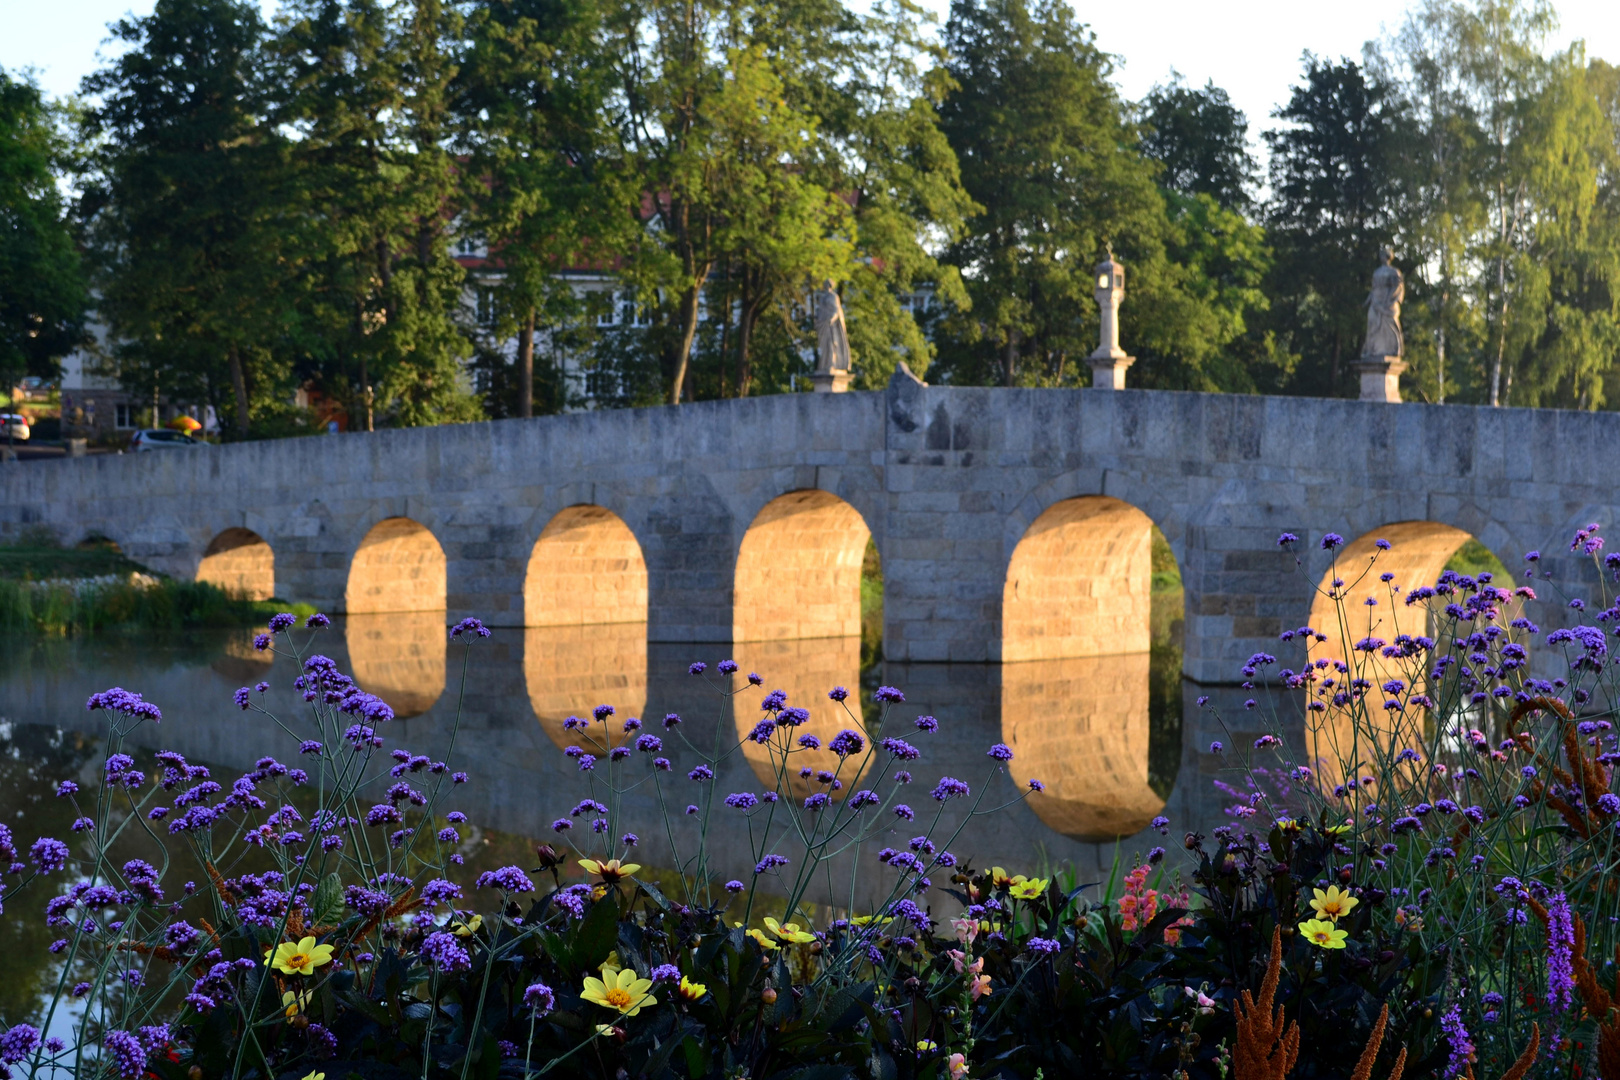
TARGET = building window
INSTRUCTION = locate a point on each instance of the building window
(486, 307)
(469, 245)
(121, 417)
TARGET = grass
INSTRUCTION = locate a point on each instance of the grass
(37, 596)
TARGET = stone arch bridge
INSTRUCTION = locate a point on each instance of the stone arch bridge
(1011, 524)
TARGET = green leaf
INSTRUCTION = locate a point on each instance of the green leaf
(328, 904)
(597, 936)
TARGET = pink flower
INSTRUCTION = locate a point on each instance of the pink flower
(966, 930)
(957, 1063)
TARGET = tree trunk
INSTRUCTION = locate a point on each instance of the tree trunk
(683, 354)
(1009, 357)
(745, 340)
(1440, 344)
(239, 388)
(526, 367)
(1333, 376)
(1501, 333)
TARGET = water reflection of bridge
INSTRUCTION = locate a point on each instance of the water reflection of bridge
(1080, 724)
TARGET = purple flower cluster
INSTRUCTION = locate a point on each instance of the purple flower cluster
(471, 627)
(847, 742)
(1462, 1048)
(538, 998)
(949, 788)
(117, 699)
(444, 952)
(507, 879)
(1560, 954)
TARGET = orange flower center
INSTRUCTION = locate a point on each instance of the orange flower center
(298, 960)
(619, 999)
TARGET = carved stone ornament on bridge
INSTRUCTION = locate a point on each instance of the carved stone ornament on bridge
(1381, 360)
(1109, 362)
(832, 342)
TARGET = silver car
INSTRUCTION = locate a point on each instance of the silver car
(161, 439)
(14, 426)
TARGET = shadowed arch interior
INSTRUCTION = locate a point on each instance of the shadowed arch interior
(586, 569)
(1079, 583)
(799, 570)
(240, 562)
(399, 567)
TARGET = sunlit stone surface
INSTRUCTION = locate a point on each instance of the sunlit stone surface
(400, 657)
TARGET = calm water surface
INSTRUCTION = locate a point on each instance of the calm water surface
(1107, 735)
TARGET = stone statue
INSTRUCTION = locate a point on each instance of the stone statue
(832, 342)
(1384, 311)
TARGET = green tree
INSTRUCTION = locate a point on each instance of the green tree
(186, 220)
(366, 89)
(42, 285)
(1201, 140)
(1047, 149)
(542, 193)
(1437, 205)
(1330, 210)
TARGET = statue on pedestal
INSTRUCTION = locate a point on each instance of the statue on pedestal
(1381, 365)
(1384, 311)
(832, 373)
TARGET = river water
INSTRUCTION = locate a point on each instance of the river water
(1116, 739)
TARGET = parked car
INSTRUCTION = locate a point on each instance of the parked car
(161, 439)
(14, 426)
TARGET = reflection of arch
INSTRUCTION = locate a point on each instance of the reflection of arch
(399, 567)
(1079, 582)
(241, 662)
(799, 571)
(586, 568)
(241, 563)
(1081, 726)
(805, 670)
(570, 670)
(400, 657)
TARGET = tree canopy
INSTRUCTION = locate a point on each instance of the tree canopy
(427, 211)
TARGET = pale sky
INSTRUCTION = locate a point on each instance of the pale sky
(1249, 47)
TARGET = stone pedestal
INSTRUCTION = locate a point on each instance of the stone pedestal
(1381, 378)
(832, 382)
(1108, 372)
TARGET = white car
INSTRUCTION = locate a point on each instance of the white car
(14, 426)
(161, 439)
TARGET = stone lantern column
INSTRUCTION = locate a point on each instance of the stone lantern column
(1109, 362)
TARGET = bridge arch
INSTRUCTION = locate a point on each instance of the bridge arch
(1083, 634)
(586, 569)
(399, 566)
(240, 562)
(1412, 554)
(798, 571)
(1079, 583)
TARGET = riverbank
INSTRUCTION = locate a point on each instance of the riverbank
(51, 591)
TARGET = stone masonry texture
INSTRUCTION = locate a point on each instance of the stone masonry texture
(947, 481)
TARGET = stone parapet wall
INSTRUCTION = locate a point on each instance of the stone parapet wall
(947, 480)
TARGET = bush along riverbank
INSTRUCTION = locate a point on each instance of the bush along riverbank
(1429, 897)
(47, 590)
